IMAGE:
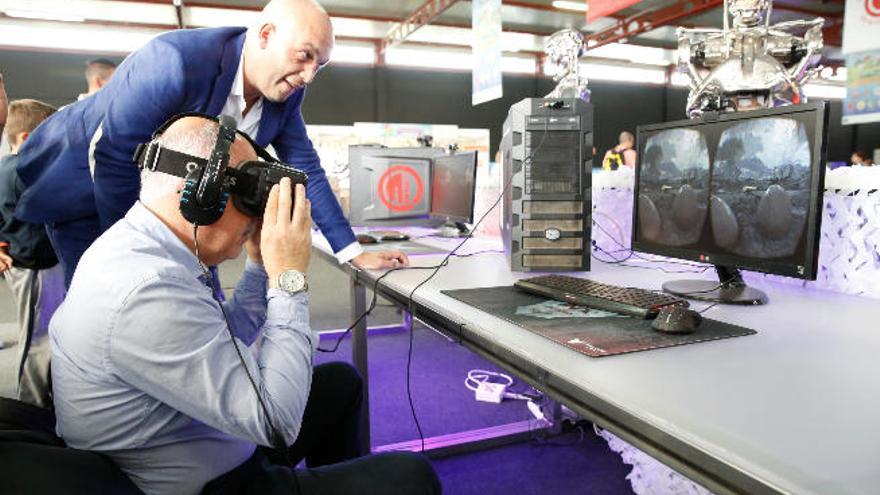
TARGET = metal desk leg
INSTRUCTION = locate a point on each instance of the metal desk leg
(359, 355)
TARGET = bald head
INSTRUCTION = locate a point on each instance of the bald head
(194, 136)
(197, 136)
(283, 52)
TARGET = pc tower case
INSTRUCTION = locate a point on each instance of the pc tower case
(547, 154)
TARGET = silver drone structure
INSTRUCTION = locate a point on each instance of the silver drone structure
(748, 64)
(564, 49)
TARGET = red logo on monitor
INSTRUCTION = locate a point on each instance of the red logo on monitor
(400, 188)
(872, 7)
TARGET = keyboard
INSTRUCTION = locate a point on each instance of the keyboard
(640, 303)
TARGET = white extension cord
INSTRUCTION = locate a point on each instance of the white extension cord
(491, 386)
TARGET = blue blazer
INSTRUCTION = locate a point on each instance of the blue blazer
(178, 71)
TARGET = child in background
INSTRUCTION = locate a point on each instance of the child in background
(28, 264)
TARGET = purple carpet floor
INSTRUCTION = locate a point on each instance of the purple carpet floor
(572, 463)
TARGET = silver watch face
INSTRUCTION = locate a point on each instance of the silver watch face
(292, 281)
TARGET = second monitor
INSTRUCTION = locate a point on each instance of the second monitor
(739, 190)
(411, 186)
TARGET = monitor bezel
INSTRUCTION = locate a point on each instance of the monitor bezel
(468, 219)
(358, 152)
(813, 230)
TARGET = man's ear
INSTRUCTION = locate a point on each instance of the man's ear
(265, 32)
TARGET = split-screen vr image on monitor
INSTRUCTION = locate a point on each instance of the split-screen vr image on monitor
(743, 190)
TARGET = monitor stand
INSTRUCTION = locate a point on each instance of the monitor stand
(729, 289)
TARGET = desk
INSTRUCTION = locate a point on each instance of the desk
(793, 409)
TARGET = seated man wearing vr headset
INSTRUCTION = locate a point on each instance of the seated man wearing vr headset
(150, 369)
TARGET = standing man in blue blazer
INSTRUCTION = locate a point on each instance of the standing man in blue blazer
(78, 168)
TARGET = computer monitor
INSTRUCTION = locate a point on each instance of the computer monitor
(391, 186)
(416, 186)
(453, 186)
(740, 191)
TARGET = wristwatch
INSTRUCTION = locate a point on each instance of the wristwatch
(292, 281)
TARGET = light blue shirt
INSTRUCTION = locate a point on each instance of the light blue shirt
(144, 369)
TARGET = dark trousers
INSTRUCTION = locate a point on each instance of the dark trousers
(329, 443)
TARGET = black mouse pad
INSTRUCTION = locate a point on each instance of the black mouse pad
(592, 332)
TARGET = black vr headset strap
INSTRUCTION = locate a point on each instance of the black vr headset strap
(154, 157)
(204, 193)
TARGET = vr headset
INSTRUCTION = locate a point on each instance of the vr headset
(209, 182)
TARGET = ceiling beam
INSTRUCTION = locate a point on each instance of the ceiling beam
(422, 16)
(649, 20)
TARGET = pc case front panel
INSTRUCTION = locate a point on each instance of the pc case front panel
(547, 161)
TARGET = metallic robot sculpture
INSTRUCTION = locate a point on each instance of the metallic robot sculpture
(564, 49)
(748, 64)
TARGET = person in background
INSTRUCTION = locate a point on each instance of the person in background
(98, 74)
(623, 154)
(28, 265)
(860, 158)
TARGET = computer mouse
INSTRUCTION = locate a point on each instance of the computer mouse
(676, 319)
(366, 239)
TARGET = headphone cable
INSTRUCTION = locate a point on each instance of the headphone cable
(277, 440)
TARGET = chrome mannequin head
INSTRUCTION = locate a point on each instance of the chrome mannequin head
(747, 13)
(564, 49)
(564, 46)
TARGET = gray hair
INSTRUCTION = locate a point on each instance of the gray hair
(199, 143)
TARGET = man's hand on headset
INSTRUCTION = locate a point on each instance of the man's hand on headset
(286, 236)
(375, 260)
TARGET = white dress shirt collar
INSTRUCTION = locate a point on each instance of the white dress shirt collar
(235, 104)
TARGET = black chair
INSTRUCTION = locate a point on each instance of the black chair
(34, 460)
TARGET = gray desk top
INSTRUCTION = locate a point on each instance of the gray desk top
(795, 407)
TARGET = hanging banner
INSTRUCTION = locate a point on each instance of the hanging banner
(862, 103)
(604, 8)
(861, 46)
(486, 24)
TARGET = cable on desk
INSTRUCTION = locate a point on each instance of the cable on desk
(632, 254)
(707, 308)
(620, 261)
(488, 251)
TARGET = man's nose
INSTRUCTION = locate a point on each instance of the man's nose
(310, 72)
